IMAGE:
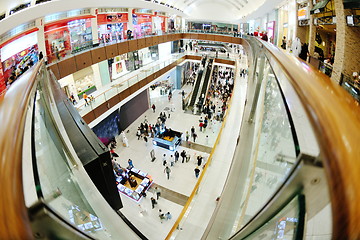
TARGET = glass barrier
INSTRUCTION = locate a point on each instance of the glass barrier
(57, 56)
(61, 183)
(56, 181)
(288, 223)
(120, 84)
(274, 147)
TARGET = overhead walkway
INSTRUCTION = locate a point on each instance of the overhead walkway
(307, 129)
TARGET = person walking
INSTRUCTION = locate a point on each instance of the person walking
(183, 155)
(153, 107)
(194, 136)
(146, 140)
(167, 170)
(192, 130)
(130, 162)
(176, 156)
(172, 160)
(187, 137)
(199, 160)
(168, 216)
(197, 172)
(125, 140)
(161, 216)
(153, 202)
(158, 193)
(164, 159)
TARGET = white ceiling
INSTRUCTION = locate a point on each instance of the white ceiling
(216, 10)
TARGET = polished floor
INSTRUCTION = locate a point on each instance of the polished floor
(182, 178)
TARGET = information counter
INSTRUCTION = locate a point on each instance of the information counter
(169, 139)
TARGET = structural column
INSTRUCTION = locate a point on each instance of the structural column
(41, 35)
(94, 26)
(347, 44)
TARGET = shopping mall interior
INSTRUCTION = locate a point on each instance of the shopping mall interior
(168, 119)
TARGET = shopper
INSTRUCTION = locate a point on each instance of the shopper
(153, 202)
(153, 107)
(172, 160)
(130, 162)
(167, 170)
(85, 97)
(146, 140)
(113, 153)
(168, 216)
(176, 154)
(199, 160)
(158, 193)
(197, 172)
(164, 159)
(183, 155)
(125, 140)
(194, 136)
(192, 130)
(161, 216)
(187, 137)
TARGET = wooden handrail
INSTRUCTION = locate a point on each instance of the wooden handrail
(335, 117)
(14, 219)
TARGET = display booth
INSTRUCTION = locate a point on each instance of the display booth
(133, 183)
(84, 220)
(168, 139)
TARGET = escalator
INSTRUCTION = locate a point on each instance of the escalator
(197, 85)
(207, 81)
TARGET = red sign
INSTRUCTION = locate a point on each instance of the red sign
(112, 18)
(2, 81)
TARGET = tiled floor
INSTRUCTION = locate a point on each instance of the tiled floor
(182, 179)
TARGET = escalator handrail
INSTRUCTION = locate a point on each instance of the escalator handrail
(196, 87)
(335, 118)
(14, 220)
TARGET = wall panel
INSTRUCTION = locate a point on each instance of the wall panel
(67, 67)
(98, 54)
(83, 60)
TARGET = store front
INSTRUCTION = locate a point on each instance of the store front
(148, 55)
(17, 57)
(142, 25)
(67, 36)
(112, 27)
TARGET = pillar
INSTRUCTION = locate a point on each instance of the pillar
(41, 36)
(130, 23)
(312, 32)
(94, 26)
(347, 44)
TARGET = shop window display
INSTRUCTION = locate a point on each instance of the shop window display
(84, 82)
(112, 27)
(142, 25)
(16, 65)
(63, 38)
(80, 34)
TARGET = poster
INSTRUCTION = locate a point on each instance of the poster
(119, 67)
